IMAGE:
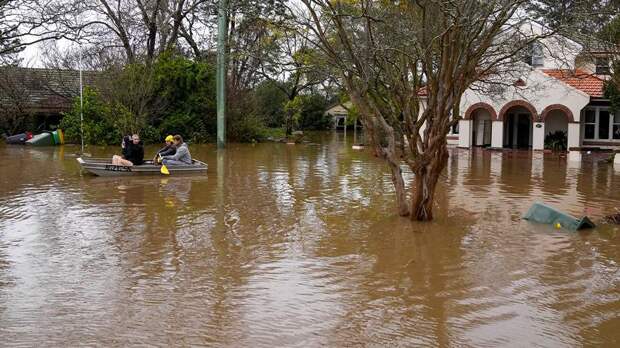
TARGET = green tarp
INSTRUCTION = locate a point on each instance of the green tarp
(545, 214)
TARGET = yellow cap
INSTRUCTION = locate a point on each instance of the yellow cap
(169, 138)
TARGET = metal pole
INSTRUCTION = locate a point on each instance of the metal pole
(222, 30)
(81, 103)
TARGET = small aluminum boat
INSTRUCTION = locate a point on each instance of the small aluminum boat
(104, 167)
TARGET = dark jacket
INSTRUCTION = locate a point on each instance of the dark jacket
(134, 153)
(167, 150)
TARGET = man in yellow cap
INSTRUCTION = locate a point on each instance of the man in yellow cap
(168, 150)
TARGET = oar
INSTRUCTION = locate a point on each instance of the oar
(163, 169)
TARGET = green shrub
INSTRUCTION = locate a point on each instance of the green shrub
(176, 95)
(556, 141)
(99, 128)
(187, 88)
(269, 102)
(245, 128)
(308, 112)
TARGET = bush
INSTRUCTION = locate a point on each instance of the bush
(188, 91)
(308, 112)
(176, 95)
(556, 141)
(99, 128)
(269, 102)
(246, 128)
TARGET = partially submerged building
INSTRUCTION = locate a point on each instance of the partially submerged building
(555, 88)
(42, 95)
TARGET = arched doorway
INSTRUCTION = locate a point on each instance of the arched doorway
(518, 118)
(481, 128)
(556, 119)
(479, 118)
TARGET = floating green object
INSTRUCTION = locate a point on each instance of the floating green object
(545, 214)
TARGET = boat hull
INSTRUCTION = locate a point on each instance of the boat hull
(43, 139)
(18, 138)
(104, 167)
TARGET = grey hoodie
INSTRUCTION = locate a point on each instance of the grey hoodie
(182, 154)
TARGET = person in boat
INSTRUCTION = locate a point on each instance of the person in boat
(182, 155)
(133, 152)
(168, 150)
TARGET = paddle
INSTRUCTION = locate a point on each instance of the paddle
(163, 169)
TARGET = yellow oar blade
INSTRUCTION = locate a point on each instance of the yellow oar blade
(164, 170)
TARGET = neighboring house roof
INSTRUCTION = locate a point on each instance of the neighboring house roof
(42, 90)
(423, 92)
(579, 79)
(339, 109)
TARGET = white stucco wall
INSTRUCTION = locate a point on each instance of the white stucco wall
(540, 90)
(559, 52)
(465, 133)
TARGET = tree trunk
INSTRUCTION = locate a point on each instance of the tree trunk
(425, 183)
(399, 189)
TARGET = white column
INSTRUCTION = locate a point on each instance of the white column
(574, 135)
(538, 136)
(465, 133)
(574, 141)
(497, 135)
(617, 161)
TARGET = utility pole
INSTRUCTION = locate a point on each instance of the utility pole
(222, 31)
(81, 102)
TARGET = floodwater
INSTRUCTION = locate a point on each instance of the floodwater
(299, 246)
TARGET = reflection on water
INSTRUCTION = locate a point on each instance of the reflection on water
(299, 246)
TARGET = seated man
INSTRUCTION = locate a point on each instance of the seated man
(167, 150)
(182, 156)
(133, 152)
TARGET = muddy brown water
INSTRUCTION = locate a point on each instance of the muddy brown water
(299, 246)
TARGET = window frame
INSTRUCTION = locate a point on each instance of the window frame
(538, 54)
(594, 123)
(602, 66)
(597, 114)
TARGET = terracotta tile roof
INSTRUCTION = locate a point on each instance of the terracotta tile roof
(579, 79)
(423, 92)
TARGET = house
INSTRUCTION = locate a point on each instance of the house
(41, 93)
(554, 89)
(338, 114)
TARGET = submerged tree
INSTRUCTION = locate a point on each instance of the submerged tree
(406, 65)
